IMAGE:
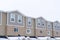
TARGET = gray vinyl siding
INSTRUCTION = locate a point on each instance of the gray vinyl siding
(49, 25)
(56, 26)
(15, 23)
(41, 22)
(27, 22)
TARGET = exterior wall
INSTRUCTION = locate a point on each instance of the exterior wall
(10, 31)
(40, 27)
(43, 34)
(37, 27)
(29, 27)
(49, 28)
(12, 25)
(3, 24)
(16, 16)
(56, 29)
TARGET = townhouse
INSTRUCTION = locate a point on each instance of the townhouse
(41, 27)
(14, 23)
(30, 26)
(56, 29)
(49, 29)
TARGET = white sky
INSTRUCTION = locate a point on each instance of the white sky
(48, 9)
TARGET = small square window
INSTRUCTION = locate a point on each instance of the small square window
(12, 19)
(19, 20)
(43, 24)
(38, 23)
(15, 29)
(40, 31)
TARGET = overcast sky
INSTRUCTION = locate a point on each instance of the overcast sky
(48, 9)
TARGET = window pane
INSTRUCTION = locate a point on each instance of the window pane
(40, 31)
(42, 23)
(15, 29)
(38, 22)
(20, 19)
(28, 31)
(29, 21)
(48, 33)
(12, 17)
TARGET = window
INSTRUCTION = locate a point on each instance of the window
(28, 31)
(29, 21)
(56, 32)
(38, 22)
(12, 17)
(40, 31)
(48, 25)
(20, 19)
(48, 32)
(42, 23)
(55, 26)
(15, 29)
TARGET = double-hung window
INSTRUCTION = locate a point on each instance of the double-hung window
(12, 17)
(38, 22)
(29, 21)
(19, 20)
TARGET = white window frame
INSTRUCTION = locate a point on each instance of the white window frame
(49, 25)
(29, 20)
(48, 33)
(42, 22)
(27, 32)
(20, 17)
(38, 21)
(12, 16)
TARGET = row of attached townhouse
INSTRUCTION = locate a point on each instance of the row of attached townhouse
(14, 23)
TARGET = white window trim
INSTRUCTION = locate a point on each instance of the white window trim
(27, 32)
(18, 19)
(28, 21)
(10, 17)
(38, 22)
(49, 33)
(12, 24)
